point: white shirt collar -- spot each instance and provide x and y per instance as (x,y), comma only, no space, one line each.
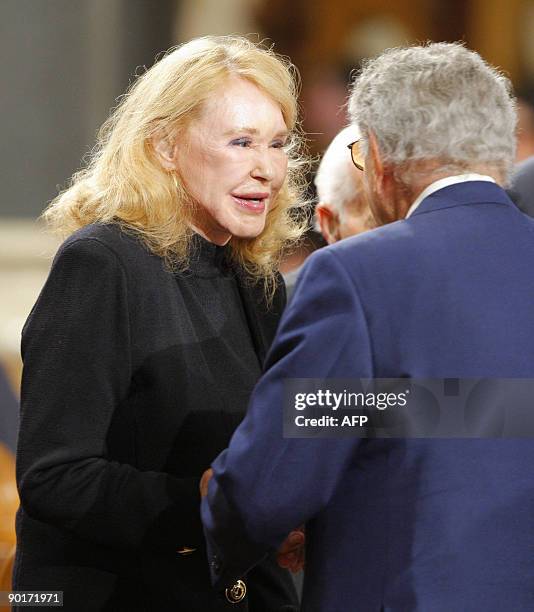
(445,182)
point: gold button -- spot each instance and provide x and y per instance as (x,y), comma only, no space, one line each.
(236,593)
(185,550)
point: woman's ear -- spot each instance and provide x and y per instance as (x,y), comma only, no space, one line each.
(164,146)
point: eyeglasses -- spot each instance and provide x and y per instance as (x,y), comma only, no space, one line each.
(356,155)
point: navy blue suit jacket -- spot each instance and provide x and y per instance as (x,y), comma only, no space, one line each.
(435,525)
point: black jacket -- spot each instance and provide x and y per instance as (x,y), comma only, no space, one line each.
(120,417)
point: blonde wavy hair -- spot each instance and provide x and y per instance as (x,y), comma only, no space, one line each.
(123,181)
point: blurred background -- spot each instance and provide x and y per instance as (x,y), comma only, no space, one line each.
(66,62)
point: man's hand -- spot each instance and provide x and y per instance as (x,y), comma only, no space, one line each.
(204,482)
(291,553)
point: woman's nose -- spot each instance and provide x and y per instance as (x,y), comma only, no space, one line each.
(263,166)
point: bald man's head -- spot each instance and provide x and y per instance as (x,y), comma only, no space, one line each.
(342,209)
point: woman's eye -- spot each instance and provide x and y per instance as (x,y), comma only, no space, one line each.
(241,142)
(278,144)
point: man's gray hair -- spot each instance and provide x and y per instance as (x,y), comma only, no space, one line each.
(439,101)
(335,179)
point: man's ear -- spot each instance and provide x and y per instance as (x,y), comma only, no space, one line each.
(328,219)
(385,186)
(376,159)
(164,146)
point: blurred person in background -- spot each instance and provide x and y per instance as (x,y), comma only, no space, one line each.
(342,209)
(9,501)
(9,413)
(151,330)
(522,186)
(525,128)
(444,290)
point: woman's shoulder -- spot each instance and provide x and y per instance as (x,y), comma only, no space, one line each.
(112,240)
(109,235)
(107,249)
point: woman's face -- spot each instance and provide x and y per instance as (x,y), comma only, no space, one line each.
(232,161)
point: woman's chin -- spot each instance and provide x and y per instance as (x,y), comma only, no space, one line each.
(248,235)
(247,231)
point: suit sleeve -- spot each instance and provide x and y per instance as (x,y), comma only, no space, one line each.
(77,371)
(265,485)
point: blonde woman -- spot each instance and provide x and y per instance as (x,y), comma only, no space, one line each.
(151,330)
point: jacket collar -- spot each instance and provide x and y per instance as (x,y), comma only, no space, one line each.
(463,194)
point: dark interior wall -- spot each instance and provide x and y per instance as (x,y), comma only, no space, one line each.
(64,63)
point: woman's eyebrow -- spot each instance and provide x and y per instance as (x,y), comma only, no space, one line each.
(243,128)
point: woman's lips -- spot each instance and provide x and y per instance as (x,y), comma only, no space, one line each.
(254,202)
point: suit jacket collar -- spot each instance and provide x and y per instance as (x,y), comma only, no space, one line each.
(463,194)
